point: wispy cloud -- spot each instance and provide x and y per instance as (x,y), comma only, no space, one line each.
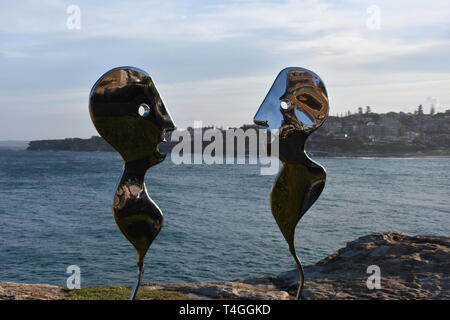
(215,60)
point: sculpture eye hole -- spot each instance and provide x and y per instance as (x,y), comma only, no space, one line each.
(284,105)
(144,110)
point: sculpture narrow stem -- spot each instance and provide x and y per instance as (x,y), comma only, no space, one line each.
(138,282)
(301,274)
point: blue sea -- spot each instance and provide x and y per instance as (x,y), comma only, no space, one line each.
(55,211)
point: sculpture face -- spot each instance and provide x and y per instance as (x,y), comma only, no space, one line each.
(129,114)
(296,106)
(115,102)
(297,103)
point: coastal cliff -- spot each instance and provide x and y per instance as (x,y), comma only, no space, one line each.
(71,144)
(334,147)
(411,267)
(357,135)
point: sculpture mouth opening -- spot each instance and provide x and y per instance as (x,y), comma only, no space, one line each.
(164,141)
(263,123)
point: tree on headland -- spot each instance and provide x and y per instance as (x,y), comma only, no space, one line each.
(420,110)
(432,110)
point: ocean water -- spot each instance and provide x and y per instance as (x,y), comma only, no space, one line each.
(55,211)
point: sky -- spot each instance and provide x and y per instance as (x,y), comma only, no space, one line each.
(214,61)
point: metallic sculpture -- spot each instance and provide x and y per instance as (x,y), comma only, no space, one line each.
(129,114)
(296,105)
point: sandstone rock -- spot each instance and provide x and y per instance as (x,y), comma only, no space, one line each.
(250,289)
(412,267)
(20,291)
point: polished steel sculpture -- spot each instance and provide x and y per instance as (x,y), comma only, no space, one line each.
(296,106)
(129,114)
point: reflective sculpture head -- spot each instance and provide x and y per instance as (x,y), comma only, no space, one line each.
(296,105)
(129,114)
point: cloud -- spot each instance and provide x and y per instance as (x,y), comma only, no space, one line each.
(215,60)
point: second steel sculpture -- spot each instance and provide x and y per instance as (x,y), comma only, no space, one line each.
(296,106)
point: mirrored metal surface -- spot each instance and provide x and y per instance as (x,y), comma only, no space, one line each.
(128,113)
(296,105)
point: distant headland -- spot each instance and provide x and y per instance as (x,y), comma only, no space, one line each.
(354,135)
